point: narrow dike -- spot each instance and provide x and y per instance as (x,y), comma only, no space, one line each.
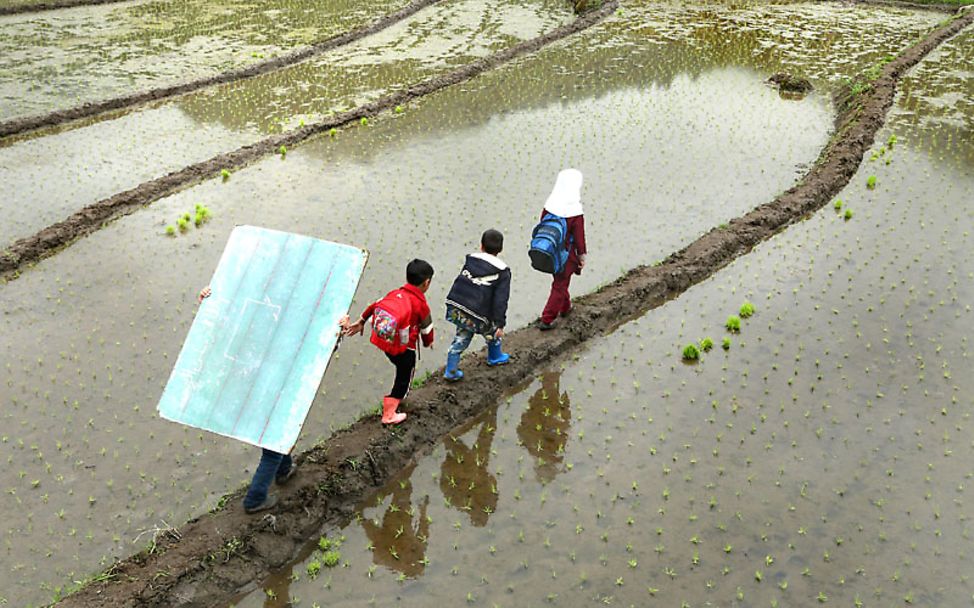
(19,126)
(38,7)
(215,555)
(28,250)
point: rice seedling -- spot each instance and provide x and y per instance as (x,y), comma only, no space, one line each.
(871,182)
(706,344)
(746,310)
(691,352)
(733,324)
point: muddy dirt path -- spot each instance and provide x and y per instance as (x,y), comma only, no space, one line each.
(37,7)
(225,551)
(48,241)
(19,126)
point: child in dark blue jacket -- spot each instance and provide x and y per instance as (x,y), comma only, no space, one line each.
(477,303)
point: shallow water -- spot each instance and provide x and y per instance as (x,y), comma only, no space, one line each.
(54,60)
(89,336)
(824,458)
(137,146)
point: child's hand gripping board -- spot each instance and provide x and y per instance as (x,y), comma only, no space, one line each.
(260,344)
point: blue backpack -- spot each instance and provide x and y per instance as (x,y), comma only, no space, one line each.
(548,253)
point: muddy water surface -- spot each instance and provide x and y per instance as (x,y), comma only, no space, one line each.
(823,458)
(59,59)
(59,173)
(89,336)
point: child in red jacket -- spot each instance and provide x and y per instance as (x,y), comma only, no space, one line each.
(565,200)
(404,310)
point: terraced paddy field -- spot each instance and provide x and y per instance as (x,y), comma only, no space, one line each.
(666,111)
(823,457)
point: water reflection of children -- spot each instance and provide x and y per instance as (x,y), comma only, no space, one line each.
(397,543)
(465,479)
(544,426)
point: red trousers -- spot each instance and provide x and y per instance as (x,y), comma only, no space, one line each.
(559,301)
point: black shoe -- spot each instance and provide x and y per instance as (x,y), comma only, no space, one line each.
(283,479)
(545,326)
(268,503)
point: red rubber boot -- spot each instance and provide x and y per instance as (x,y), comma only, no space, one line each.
(389,413)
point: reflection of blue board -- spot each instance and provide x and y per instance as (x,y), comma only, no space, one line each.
(256,352)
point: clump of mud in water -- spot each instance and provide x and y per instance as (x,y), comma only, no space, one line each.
(790,86)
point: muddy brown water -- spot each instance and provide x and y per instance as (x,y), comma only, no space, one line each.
(150,142)
(113,361)
(825,457)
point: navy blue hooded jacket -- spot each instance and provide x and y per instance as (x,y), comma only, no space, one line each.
(482,288)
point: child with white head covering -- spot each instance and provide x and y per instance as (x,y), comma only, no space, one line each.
(565,201)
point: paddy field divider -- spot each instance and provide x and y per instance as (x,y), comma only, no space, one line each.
(20,126)
(214,556)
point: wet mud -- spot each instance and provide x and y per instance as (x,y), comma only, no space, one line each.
(228,551)
(36,7)
(19,126)
(48,241)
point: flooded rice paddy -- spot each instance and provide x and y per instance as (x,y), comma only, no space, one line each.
(138,146)
(825,457)
(644,45)
(54,60)
(665,110)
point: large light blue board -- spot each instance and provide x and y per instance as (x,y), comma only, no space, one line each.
(260,344)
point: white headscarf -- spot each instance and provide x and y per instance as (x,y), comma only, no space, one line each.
(566,197)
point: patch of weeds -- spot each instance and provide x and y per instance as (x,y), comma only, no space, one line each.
(331,558)
(421,380)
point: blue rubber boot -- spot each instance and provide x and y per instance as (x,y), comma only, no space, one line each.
(495,356)
(452,362)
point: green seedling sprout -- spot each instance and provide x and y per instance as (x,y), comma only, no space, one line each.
(399,110)
(183,224)
(837,204)
(331,558)
(848,214)
(733,323)
(706,344)
(225,174)
(282,150)
(691,353)
(364,121)
(726,344)
(747,309)
(170,230)
(871,182)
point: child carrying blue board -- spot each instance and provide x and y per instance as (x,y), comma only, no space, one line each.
(477,303)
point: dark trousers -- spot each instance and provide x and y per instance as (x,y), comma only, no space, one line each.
(272,465)
(405,366)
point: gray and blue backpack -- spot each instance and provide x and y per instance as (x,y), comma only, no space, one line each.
(548,252)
